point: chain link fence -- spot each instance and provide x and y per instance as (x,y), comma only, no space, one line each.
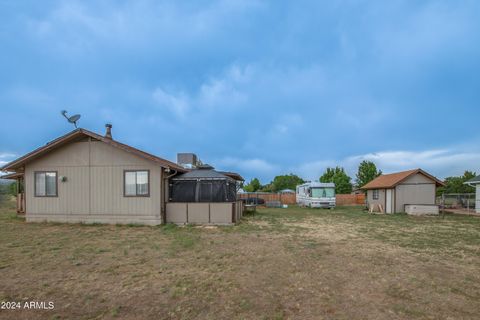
(464,202)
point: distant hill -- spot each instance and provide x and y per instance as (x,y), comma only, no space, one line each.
(5,181)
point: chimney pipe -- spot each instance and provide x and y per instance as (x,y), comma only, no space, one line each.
(108,134)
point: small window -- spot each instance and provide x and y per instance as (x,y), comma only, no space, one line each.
(45,184)
(136,183)
(375,194)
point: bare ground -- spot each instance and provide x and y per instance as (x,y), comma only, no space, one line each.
(281,264)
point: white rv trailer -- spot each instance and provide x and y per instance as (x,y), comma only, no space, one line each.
(316,195)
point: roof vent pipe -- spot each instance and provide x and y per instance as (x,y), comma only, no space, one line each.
(108,133)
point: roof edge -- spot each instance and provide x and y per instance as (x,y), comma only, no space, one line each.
(10,166)
(58,142)
(473,181)
(12,176)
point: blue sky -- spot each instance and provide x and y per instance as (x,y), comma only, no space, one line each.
(261,88)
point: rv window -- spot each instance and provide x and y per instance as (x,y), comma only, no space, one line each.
(375,194)
(323,192)
(45,184)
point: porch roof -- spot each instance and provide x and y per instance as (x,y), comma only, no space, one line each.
(12,176)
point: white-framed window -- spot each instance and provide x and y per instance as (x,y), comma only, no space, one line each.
(46,184)
(375,194)
(136,183)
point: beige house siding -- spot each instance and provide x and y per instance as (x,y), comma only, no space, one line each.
(417,189)
(380,201)
(93,191)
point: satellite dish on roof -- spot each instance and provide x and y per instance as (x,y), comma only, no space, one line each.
(73,119)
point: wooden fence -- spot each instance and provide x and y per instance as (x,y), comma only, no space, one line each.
(289,198)
(350,199)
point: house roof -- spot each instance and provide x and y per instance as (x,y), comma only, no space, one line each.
(475,180)
(386,181)
(75,135)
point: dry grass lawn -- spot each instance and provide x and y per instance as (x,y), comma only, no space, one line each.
(280,264)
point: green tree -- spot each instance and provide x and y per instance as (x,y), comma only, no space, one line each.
(456,184)
(267,188)
(367,171)
(253,186)
(337,175)
(288,181)
(12,189)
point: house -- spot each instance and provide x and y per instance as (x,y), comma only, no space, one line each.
(86,177)
(475,182)
(398,192)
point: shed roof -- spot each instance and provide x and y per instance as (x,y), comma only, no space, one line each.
(475,180)
(386,181)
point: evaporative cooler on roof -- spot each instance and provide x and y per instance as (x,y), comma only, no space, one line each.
(202,185)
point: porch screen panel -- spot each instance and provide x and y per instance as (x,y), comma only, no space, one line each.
(205,191)
(218,191)
(183,191)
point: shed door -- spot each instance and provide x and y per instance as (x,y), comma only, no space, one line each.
(389,203)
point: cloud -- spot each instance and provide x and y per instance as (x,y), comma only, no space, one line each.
(286,123)
(177,103)
(276,88)
(27,95)
(313,170)
(74,28)
(252,166)
(429,32)
(442,162)
(218,93)
(6,157)
(225,90)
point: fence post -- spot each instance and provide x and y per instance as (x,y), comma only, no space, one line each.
(443,205)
